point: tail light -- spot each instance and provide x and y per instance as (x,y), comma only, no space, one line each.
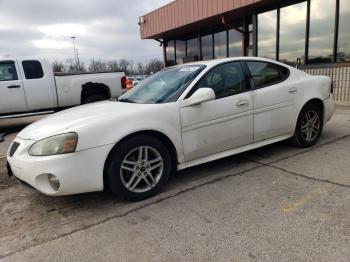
(129,84)
(123,81)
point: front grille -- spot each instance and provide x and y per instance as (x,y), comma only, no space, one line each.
(13,149)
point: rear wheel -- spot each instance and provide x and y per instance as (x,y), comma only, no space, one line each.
(309,126)
(138,168)
(95,98)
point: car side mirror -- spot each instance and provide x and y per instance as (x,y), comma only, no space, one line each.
(202,95)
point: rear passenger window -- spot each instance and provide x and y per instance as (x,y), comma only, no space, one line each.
(266,74)
(8,71)
(32,69)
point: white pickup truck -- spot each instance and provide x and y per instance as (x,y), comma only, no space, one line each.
(28,87)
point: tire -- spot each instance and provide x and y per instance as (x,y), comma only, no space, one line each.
(308,134)
(131,179)
(94,98)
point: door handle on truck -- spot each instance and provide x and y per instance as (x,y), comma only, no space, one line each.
(14,86)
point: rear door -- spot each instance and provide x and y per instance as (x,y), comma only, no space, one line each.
(12,96)
(38,84)
(275,98)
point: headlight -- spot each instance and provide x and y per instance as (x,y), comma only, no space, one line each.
(55,145)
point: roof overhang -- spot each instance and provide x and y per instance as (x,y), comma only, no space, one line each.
(183,17)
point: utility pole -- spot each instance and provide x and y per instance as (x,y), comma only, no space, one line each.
(76,57)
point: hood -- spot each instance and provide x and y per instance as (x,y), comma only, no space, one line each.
(71,120)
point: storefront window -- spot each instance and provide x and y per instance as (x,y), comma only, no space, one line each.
(220,45)
(193,47)
(250,44)
(267,30)
(180,51)
(322,23)
(207,47)
(292,33)
(234,43)
(344,32)
(170,53)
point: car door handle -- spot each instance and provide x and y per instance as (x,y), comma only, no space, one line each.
(242,103)
(14,86)
(293,90)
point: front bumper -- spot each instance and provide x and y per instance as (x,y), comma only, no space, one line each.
(77,172)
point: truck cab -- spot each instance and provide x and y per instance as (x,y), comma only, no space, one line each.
(26,85)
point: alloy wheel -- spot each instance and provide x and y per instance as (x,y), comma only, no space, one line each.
(141,169)
(310,126)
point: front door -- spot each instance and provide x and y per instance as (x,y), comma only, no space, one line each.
(12,96)
(221,124)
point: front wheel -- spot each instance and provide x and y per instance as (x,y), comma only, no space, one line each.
(138,168)
(309,126)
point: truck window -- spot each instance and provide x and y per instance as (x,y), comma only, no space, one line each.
(32,69)
(8,71)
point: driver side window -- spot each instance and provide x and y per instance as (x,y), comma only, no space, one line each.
(226,80)
(8,71)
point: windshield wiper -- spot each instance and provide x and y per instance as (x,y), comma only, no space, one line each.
(126,100)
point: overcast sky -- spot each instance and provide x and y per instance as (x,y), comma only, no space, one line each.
(105,29)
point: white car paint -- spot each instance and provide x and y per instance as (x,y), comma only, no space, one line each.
(51,91)
(199,133)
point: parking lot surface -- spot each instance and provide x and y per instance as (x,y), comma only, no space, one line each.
(276,203)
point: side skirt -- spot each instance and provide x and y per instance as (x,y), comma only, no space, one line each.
(231,152)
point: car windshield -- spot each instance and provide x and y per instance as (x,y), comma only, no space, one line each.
(163,87)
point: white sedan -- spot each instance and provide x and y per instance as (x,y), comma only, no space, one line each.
(180,117)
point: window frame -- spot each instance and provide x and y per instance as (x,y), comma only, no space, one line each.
(211,36)
(167,54)
(177,55)
(335,34)
(24,71)
(215,41)
(306,27)
(277,33)
(251,79)
(244,71)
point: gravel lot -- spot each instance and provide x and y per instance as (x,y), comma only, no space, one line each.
(276,203)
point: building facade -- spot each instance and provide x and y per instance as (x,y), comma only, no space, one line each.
(311,34)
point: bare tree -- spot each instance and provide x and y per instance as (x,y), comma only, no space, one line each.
(58,67)
(154,66)
(97,66)
(113,66)
(140,68)
(125,65)
(71,66)
(81,67)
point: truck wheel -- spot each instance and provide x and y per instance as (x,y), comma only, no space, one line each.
(138,168)
(309,126)
(94,98)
